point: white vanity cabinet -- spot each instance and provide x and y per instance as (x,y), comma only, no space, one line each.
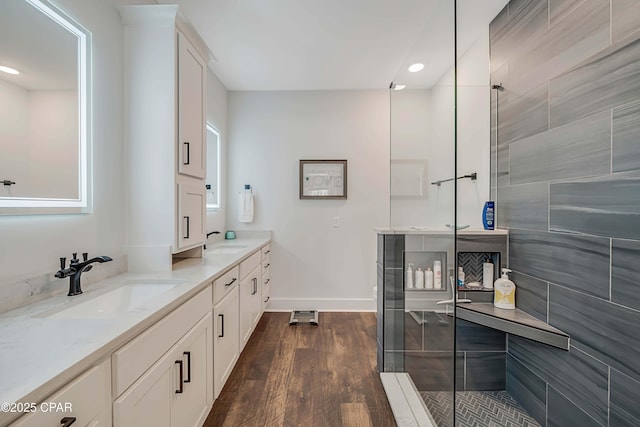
(164,376)
(86,401)
(165,80)
(226,332)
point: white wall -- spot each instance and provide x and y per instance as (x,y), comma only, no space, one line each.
(433,138)
(217,116)
(314,265)
(39,129)
(31,245)
(14,124)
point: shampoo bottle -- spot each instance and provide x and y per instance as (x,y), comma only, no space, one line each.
(460,277)
(504,292)
(488,217)
(437,275)
(409,277)
(428,279)
(419,278)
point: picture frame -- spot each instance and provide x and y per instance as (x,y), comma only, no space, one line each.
(323,179)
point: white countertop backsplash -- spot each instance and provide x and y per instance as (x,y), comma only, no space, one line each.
(40,354)
(16,293)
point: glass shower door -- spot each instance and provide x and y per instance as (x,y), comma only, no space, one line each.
(422,215)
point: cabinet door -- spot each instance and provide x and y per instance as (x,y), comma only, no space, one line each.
(148,401)
(249,297)
(256,302)
(191,215)
(87,399)
(177,390)
(192,73)
(226,335)
(190,407)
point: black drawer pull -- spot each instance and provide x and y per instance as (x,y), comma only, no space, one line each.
(255,286)
(181,389)
(67,421)
(231,282)
(221,316)
(187,157)
(187,236)
(188,354)
(267,252)
(267,282)
(267,265)
(267,300)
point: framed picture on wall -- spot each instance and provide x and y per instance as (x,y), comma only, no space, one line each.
(323,179)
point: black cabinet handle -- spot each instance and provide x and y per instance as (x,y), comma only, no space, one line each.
(9,182)
(187,157)
(255,286)
(267,300)
(67,421)
(188,354)
(267,265)
(181,389)
(187,236)
(268,280)
(221,316)
(231,282)
(267,252)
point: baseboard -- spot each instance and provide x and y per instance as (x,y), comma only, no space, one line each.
(322,304)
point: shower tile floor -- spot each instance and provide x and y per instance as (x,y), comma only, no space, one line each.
(477,409)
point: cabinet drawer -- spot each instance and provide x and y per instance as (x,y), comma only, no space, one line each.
(135,357)
(266,288)
(249,264)
(225,283)
(266,250)
(87,398)
(266,278)
(266,263)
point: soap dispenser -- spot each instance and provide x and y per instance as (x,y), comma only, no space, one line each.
(504,292)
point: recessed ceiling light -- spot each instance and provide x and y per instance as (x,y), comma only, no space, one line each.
(9,70)
(416,67)
(399,87)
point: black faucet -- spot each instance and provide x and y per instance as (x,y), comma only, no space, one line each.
(75,270)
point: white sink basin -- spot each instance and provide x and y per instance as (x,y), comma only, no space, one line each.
(227,249)
(132,294)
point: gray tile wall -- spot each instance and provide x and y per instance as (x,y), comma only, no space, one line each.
(566,178)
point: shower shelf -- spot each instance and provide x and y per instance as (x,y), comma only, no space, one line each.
(515,322)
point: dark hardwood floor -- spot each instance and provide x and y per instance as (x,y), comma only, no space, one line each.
(306,375)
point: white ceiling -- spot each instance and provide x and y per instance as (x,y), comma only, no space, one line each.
(331,44)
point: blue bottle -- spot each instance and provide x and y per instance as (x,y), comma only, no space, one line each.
(488,215)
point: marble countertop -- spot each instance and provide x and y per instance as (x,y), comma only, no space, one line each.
(438,230)
(40,354)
